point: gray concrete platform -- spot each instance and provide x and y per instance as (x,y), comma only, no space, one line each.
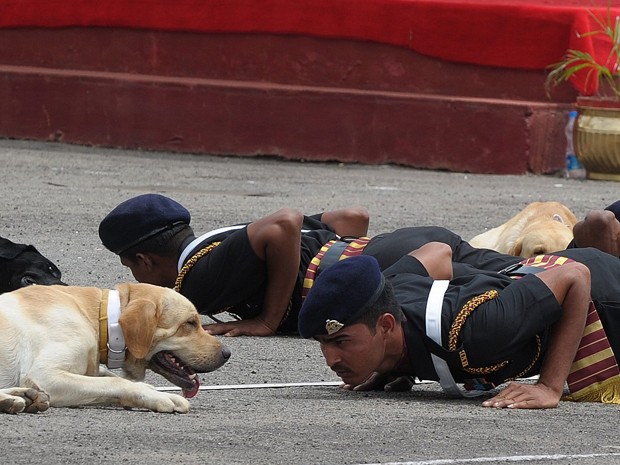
(54,195)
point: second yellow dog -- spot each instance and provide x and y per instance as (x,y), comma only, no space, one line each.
(541,227)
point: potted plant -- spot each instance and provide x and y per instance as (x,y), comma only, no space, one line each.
(594,69)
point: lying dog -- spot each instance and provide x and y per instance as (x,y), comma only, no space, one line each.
(53,339)
(541,227)
(22,265)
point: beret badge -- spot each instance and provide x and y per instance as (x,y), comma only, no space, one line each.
(332,326)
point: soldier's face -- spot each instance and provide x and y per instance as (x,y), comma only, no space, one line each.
(354,352)
(145,269)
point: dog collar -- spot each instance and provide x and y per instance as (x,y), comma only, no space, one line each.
(116,341)
(111,341)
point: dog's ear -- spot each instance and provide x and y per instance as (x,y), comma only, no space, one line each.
(557,217)
(9,250)
(138,321)
(516,248)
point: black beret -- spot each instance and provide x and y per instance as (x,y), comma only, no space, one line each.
(340,295)
(139,218)
(615,209)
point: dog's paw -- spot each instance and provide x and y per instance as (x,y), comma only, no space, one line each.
(11,404)
(29,400)
(164,402)
(146,396)
(171,403)
(37,400)
(181,404)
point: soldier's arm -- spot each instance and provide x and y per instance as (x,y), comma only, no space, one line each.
(276,239)
(570,283)
(436,257)
(347,221)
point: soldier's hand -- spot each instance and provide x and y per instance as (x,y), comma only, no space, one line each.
(517,395)
(383,382)
(251,327)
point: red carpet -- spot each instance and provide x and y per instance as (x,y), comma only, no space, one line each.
(527,34)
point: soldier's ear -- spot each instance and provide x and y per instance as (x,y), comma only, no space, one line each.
(144,260)
(387,323)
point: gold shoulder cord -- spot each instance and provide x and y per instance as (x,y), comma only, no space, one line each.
(191,262)
(457,325)
(467,310)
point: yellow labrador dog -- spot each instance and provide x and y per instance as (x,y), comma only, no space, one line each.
(541,227)
(54,338)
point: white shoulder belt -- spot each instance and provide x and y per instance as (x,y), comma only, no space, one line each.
(192,245)
(433,331)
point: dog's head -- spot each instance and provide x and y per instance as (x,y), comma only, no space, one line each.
(22,265)
(542,237)
(163,332)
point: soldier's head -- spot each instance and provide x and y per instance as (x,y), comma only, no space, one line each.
(146,232)
(351,310)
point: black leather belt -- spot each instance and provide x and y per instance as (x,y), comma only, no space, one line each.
(332,255)
(519,269)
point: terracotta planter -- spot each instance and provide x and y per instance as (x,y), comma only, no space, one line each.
(597,137)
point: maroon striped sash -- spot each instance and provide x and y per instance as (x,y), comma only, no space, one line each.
(355,247)
(546,261)
(594,374)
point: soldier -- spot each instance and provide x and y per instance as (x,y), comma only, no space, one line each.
(433,319)
(252,270)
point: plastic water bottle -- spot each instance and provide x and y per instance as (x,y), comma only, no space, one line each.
(574,169)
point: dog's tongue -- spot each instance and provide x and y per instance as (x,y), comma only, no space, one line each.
(189,393)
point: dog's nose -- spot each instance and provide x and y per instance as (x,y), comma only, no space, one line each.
(225,353)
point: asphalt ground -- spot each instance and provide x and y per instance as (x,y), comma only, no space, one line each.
(53,196)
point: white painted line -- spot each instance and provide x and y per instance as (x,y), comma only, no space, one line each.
(513,458)
(383,188)
(265,385)
(254,386)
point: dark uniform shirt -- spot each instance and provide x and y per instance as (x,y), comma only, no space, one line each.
(502,338)
(233,278)
(388,248)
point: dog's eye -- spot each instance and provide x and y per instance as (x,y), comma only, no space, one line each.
(192,323)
